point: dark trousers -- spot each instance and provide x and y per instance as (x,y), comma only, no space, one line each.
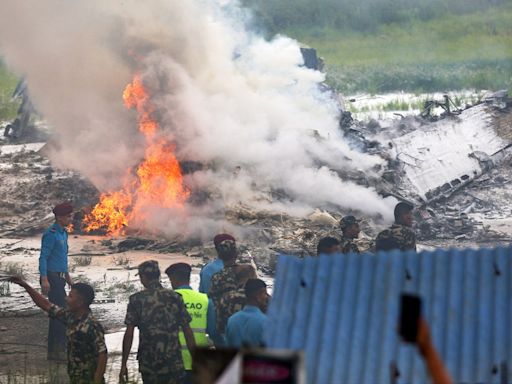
(187,379)
(148,378)
(56,329)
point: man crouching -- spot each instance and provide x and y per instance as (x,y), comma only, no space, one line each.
(87,352)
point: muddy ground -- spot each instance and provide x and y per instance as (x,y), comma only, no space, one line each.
(478,215)
(93,259)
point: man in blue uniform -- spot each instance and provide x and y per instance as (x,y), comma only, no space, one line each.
(245,328)
(214,266)
(53,270)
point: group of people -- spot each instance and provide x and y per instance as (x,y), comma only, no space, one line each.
(228,311)
(399,236)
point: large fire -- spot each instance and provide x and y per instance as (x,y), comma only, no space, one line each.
(156,183)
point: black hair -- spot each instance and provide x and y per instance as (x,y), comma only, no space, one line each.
(402,208)
(151,275)
(180,271)
(85,291)
(325,243)
(253,287)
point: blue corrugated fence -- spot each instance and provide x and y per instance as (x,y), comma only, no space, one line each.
(343,312)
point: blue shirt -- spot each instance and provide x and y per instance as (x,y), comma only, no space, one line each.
(211,317)
(245,328)
(54,250)
(207,272)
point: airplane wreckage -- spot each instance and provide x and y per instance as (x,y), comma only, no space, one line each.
(454,167)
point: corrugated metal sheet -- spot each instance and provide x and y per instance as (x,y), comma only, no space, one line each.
(343,312)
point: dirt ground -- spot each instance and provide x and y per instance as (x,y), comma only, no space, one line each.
(93,259)
(23,328)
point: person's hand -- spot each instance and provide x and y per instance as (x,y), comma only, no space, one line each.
(123,375)
(423,337)
(69,280)
(18,280)
(45,285)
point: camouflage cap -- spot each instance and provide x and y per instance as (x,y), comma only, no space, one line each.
(347,221)
(150,266)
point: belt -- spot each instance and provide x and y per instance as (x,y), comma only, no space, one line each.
(59,274)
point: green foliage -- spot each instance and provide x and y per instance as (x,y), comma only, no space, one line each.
(356,15)
(409,45)
(8,83)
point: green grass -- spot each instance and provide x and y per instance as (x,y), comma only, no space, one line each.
(8,83)
(454,52)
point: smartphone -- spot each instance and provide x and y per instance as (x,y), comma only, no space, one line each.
(410,312)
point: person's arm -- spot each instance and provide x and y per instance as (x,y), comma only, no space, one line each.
(211,321)
(202,282)
(127,346)
(435,365)
(189,336)
(38,299)
(101,349)
(185,320)
(101,368)
(47,244)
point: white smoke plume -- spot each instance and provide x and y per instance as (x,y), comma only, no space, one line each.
(243,106)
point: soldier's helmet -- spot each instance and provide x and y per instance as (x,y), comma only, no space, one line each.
(149,267)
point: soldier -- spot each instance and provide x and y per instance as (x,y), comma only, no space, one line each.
(87,352)
(53,270)
(199,307)
(350,231)
(234,300)
(159,314)
(224,281)
(214,266)
(400,235)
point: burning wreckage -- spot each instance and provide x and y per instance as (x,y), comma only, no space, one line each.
(454,167)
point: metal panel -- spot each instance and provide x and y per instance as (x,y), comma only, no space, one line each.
(343,312)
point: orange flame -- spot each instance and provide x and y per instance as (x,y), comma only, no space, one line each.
(157,182)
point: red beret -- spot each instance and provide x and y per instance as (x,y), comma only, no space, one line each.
(63,209)
(223,237)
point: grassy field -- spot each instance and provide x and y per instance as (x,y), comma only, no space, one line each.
(7,85)
(447,53)
(472,51)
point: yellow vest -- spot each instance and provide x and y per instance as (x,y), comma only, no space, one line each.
(197,307)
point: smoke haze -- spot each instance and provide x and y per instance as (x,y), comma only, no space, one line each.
(226,98)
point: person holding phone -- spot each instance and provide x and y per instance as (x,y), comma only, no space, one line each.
(414,329)
(435,366)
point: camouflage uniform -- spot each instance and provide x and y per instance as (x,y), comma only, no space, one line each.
(231,303)
(348,246)
(401,236)
(86,340)
(159,314)
(223,282)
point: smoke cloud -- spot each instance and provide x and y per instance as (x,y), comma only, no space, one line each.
(243,107)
